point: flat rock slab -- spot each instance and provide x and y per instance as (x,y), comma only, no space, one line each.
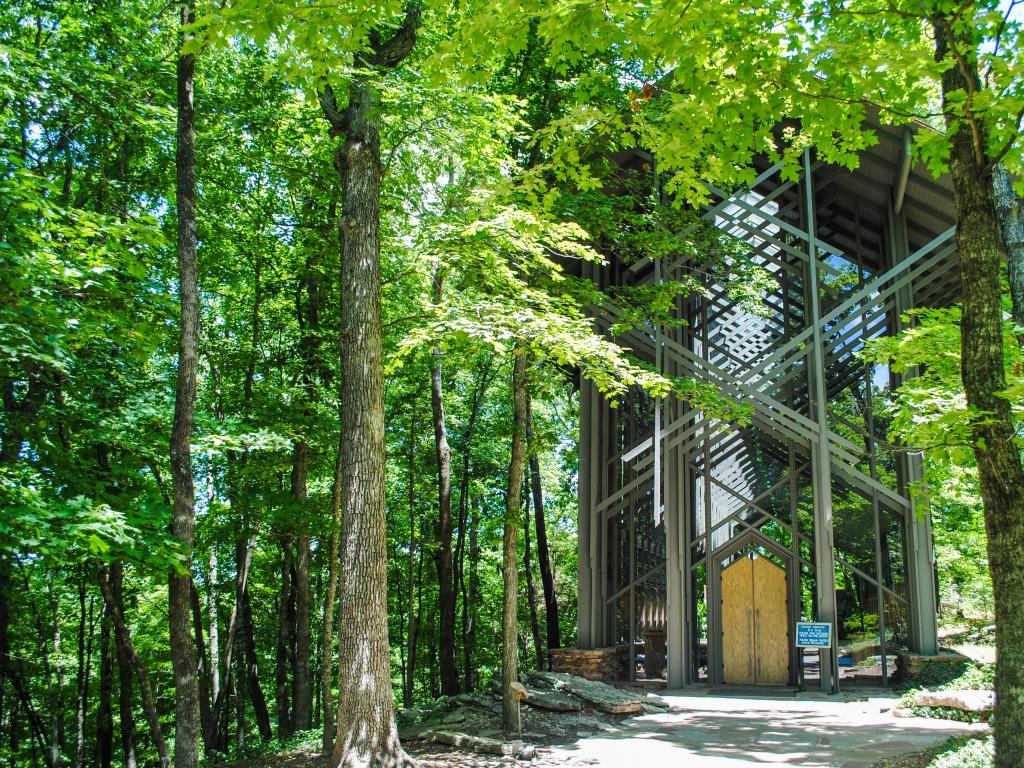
(552,701)
(601,696)
(967,701)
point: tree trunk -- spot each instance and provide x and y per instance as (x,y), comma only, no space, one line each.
(443,553)
(241,695)
(219,717)
(104,711)
(126,716)
(124,642)
(302,681)
(259,701)
(510,560)
(327,643)
(531,592)
(211,610)
(410,664)
(366,732)
(5,640)
(460,547)
(474,595)
(980,248)
(1011,225)
(547,578)
(206,719)
(85,638)
(284,717)
(55,685)
(183,657)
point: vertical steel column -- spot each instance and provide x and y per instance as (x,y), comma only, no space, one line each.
(824,563)
(584,594)
(924,629)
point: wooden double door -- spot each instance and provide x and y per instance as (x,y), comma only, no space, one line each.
(755,622)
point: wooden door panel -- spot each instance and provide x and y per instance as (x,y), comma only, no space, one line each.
(738,622)
(771,623)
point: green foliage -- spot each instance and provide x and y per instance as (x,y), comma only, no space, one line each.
(966,752)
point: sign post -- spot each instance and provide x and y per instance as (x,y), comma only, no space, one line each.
(812,634)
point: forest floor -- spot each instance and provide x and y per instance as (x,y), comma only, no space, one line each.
(692,727)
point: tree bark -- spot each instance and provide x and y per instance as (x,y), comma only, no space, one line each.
(510,560)
(410,665)
(206,719)
(1011,224)
(327,643)
(259,701)
(531,592)
(443,553)
(366,731)
(460,546)
(283,649)
(473,598)
(124,642)
(211,610)
(302,682)
(126,715)
(85,638)
(183,657)
(980,248)
(5,640)
(551,619)
(104,711)
(55,686)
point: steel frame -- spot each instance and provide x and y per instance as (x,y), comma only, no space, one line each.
(667,491)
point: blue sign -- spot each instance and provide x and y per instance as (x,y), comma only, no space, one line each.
(813,634)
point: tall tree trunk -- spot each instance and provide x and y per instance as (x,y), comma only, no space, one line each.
(366,732)
(259,701)
(126,714)
(531,592)
(85,638)
(244,552)
(327,640)
(443,553)
(460,546)
(410,664)
(211,611)
(206,719)
(1011,224)
(104,711)
(183,657)
(124,642)
(302,682)
(5,640)
(473,599)
(241,694)
(980,248)
(55,686)
(510,560)
(283,649)
(547,578)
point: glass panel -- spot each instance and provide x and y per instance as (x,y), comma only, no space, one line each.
(859,644)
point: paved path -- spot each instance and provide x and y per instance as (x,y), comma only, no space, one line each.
(704,731)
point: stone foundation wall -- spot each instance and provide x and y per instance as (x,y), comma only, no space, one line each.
(911,665)
(595,664)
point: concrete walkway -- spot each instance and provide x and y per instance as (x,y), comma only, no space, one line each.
(709,731)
